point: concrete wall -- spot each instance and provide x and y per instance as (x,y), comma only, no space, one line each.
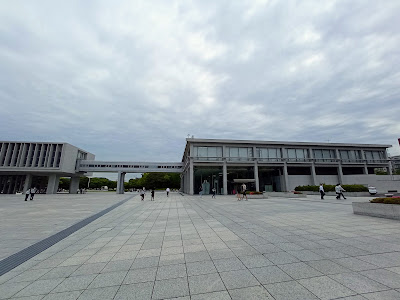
(327,179)
(296,180)
(383,183)
(68,160)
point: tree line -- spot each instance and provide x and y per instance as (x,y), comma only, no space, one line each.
(148,180)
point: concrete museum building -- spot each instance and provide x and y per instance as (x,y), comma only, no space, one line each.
(211,163)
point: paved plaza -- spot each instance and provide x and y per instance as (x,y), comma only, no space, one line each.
(191,248)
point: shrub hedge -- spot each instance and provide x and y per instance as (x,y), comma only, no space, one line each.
(386,200)
(331,188)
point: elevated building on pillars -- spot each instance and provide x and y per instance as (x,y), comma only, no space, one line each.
(21,161)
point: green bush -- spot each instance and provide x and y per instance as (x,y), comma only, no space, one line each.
(331,188)
(386,200)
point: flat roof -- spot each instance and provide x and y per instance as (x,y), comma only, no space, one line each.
(258,142)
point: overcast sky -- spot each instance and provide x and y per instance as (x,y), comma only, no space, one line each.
(129,80)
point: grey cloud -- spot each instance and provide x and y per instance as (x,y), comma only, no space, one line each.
(129,81)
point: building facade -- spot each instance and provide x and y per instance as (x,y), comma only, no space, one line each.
(210,163)
(395,163)
(277,166)
(20,162)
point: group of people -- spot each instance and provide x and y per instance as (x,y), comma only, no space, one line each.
(30,192)
(242,192)
(142,193)
(338,189)
(214,192)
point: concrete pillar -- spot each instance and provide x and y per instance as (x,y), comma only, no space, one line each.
(286,176)
(52,184)
(314,174)
(389,167)
(182,184)
(120,183)
(225,178)
(340,173)
(74,185)
(365,162)
(256,176)
(365,169)
(27,183)
(191,177)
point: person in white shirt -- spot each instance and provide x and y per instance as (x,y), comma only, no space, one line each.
(32,192)
(339,191)
(321,191)
(244,187)
(167,190)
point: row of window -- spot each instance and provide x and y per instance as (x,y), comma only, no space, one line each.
(294,154)
(127,166)
(30,155)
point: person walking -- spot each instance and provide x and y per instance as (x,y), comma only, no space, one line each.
(32,192)
(339,191)
(152,195)
(142,193)
(213,192)
(167,190)
(321,191)
(238,195)
(201,191)
(28,191)
(244,187)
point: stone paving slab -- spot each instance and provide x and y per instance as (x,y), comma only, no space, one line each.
(44,216)
(184,247)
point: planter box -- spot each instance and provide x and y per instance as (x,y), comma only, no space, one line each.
(346,194)
(380,210)
(285,195)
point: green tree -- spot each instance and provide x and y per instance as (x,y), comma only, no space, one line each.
(97,182)
(83,182)
(64,183)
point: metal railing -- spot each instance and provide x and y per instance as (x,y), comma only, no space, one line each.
(299,160)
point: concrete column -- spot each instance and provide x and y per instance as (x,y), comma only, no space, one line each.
(52,184)
(182,183)
(40,162)
(11,184)
(191,177)
(120,182)
(365,162)
(27,183)
(256,176)
(286,176)
(389,167)
(225,177)
(8,154)
(74,185)
(340,173)
(365,169)
(314,174)
(3,153)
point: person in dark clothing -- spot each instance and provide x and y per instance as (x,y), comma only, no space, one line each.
(213,192)
(321,191)
(152,195)
(27,194)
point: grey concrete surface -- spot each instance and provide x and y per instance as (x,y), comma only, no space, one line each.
(185,247)
(25,223)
